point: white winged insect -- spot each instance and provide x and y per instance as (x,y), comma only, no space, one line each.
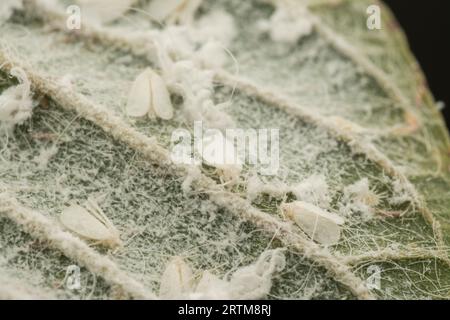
(322,226)
(177,280)
(91,223)
(149,96)
(220,152)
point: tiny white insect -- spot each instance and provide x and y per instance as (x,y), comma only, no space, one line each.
(90,222)
(149,95)
(177,280)
(220,152)
(322,226)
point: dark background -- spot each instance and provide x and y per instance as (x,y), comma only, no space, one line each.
(427,25)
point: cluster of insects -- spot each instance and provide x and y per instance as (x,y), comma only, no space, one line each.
(247,282)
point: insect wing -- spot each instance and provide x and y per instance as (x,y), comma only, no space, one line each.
(320,225)
(139,99)
(94,209)
(80,221)
(161,103)
(176,280)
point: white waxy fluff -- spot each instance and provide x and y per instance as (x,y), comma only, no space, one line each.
(217,25)
(285,26)
(149,96)
(229,173)
(211,55)
(255,187)
(255,281)
(186,76)
(322,226)
(16,103)
(249,282)
(359,199)
(44,156)
(91,223)
(193,174)
(401,194)
(176,281)
(104,11)
(313,189)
